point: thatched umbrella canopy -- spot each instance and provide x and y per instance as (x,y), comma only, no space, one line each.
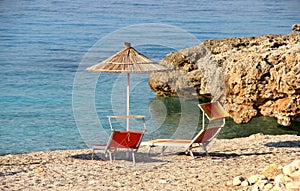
(128,61)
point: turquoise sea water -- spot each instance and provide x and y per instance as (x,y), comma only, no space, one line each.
(44,46)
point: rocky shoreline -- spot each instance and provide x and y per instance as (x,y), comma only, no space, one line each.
(251,76)
(229,159)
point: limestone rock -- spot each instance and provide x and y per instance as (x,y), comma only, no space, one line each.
(296,27)
(186,79)
(253,76)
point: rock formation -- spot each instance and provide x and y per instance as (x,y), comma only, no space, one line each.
(251,76)
(273,177)
(296,27)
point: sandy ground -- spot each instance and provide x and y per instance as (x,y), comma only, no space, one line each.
(74,169)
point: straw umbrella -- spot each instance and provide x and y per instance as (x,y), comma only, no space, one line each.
(127,61)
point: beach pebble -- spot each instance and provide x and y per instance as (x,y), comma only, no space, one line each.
(92,182)
(293,186)
(268,186)
(237,180)
(229,183)
(279,179)
(257,136)
(271,171)
(245,183)
(163,181)
(296,163)
(287,179)
(278,187)
(296,175)
(254,178)
(200,163)
(256,188)
(289,169)
(39,170)
(259,185)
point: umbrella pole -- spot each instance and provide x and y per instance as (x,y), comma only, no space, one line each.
(128,101)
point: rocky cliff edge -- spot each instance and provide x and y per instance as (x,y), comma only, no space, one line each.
(251,76)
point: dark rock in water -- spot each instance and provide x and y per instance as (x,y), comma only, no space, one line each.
(253,76)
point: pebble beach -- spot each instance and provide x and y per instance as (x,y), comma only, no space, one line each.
(74,169)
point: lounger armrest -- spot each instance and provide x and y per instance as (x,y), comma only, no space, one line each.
(142,117)
(213,110)
(126,116)
(99,146)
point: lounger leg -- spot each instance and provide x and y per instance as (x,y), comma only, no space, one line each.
(127,154)
(133,158)
(204,148)
(93,154)
(115,153)
(191,153)
(110,157)
(163,150)
(149,150)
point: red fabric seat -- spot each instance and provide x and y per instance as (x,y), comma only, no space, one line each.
(128,141)
(214,112)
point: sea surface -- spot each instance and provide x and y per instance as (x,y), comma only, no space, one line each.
(47,99)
